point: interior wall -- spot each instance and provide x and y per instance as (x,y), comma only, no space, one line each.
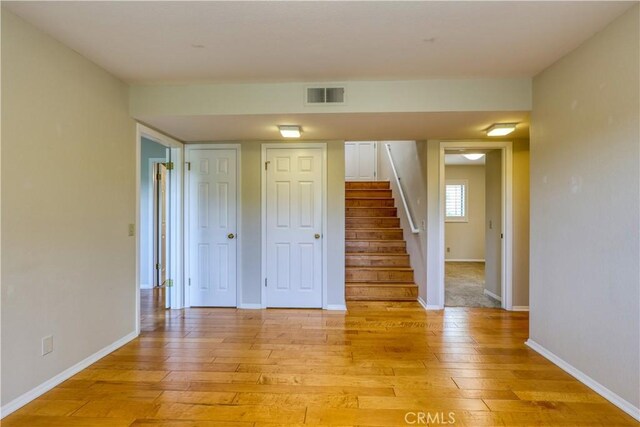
(493,223)
(585,205)
(520,242)
(251,219)
(406,158)
(465,240)
(68,196)
(149,150)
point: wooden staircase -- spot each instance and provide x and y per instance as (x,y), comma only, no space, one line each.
(377,263)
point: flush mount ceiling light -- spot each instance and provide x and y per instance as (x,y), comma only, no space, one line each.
(501,129)
(290,131)
(474,156)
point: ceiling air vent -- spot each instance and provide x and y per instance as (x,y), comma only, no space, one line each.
(325,95)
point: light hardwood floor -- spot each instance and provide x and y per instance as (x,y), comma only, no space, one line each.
(370,366)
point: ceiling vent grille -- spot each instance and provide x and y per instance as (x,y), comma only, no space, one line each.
(330,95)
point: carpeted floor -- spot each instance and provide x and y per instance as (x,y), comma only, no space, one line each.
(464,285)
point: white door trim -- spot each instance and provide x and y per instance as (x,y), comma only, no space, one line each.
(149,219)
(176,237)
(265,147)
(507,214)
(239,235)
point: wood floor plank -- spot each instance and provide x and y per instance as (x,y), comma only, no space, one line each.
(368,366)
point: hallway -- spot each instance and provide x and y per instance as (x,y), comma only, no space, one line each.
(368,366)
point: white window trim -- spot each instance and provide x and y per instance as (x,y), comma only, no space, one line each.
(465,183)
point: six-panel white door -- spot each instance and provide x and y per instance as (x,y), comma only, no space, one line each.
(360,160)
(212,223)
(294,227)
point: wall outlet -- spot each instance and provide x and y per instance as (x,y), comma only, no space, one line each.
(47,345)
(132,230)
(448,249)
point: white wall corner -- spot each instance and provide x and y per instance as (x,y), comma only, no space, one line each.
(497,297)
(38,391)
(426,306)
(586,380)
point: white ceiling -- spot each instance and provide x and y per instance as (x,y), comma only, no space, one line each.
(460,160)
(153,42)
(343,126)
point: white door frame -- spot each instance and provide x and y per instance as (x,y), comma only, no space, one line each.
(150,219)
(187,204)
(176,238)
(507,214)
(323,147)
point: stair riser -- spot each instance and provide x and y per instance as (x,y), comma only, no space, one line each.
(373,235)
(375,247)
(356,275)
(382,293)
(369,203)
(368,193)
(354,223)
(371,212)
(377,261)
(377,185)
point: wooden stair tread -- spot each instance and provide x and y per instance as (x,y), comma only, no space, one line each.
(377,240)
(377,267)
(380,283)
(377,254)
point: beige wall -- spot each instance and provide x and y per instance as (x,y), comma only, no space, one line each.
(585,146)
(251,244)
(407,159)
(493,223)
(465,240)
(68,195)
(520,273)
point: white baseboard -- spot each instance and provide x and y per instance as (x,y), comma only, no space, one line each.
(586,380)
(248,306)
(520,308)
(492,295)
(463,260)
(38,391)
(428,306)
(337,307)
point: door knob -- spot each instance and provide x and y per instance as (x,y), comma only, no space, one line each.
(317,236)
(231,235)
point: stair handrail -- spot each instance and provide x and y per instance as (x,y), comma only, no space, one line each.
(414,229)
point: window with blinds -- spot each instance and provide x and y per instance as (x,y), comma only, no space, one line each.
(456,201)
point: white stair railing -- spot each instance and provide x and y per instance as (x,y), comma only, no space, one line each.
(414,229)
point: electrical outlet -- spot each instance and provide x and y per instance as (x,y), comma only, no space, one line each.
(47,345)
(448,249)
(132,230)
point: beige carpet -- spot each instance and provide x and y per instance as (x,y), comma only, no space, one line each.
(464,285)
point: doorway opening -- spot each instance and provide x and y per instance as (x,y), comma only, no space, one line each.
(159,246)
(473,204)
(475,248)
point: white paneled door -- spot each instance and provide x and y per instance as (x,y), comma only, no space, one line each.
(213,227)
(360,160)
(294,227)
